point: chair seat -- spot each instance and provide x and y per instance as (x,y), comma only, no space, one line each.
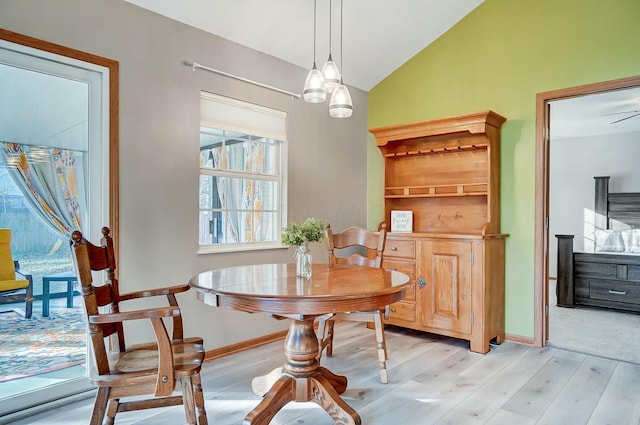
(140,362)
(12,285)
(356,315)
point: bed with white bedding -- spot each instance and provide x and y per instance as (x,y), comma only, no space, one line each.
(609,277)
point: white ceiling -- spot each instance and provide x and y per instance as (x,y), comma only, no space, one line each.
(595,114)
(379,37)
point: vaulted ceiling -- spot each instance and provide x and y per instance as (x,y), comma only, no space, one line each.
(379,35)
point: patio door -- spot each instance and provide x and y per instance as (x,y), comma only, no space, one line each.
(53,101)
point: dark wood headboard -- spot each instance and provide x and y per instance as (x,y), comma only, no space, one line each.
(623,207)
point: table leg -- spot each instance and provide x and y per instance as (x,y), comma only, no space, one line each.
(276,398)
(327,397)
(45,297)
(70,294)
(303,380)
(261,384)
(338,382)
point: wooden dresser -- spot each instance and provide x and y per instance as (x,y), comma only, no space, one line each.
(447,173)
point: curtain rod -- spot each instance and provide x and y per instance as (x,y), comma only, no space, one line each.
(196,65)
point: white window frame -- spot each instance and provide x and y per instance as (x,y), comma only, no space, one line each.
(237,121)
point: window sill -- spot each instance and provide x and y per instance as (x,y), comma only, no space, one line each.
(213,249)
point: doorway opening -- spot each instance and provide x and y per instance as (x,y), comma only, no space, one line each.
(543,238)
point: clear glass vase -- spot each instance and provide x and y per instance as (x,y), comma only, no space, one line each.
(303,262)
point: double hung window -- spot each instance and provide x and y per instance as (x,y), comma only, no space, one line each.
(242,174)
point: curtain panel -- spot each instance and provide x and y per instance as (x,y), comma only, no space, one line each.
(52,182)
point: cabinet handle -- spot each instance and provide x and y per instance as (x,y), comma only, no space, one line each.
(394,249)
(393,309)
(422,282)
(611,291)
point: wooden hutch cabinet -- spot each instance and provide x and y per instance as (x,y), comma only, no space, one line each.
(447,173)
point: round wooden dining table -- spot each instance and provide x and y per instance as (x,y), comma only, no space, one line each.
(274,289)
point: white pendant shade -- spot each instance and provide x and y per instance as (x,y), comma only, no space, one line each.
(340,105)
(318,83)
(331,75)
(314,87)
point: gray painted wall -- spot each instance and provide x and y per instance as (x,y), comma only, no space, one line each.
(573,165)
(159,125)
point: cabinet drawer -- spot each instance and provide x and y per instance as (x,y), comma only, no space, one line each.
(611,290)
(410,293)
(403,249)
(406,267)
(403,311)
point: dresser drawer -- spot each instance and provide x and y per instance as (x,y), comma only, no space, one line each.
(633,273)
(596,270)
(400,248)
(402,311)
(614,290)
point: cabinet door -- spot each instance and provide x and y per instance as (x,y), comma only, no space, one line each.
(445,296)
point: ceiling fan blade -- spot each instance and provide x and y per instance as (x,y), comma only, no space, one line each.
(626,118)
(618,113)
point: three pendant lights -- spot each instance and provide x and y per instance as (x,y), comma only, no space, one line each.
(328,81)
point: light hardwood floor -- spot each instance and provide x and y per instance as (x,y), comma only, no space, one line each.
(433,380)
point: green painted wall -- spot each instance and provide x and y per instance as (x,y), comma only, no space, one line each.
(499,57)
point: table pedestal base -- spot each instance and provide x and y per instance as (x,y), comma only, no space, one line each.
(303,379)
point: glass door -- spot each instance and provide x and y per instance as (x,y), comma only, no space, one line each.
(49,104)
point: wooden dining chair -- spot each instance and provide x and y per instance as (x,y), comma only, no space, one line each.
(15,284)
(361,247)
(154,370)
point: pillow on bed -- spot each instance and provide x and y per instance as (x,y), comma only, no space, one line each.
(627,239)
(633,245)
(608,241)
(631,240)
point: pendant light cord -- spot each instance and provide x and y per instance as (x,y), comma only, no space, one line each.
(314,32)
(341,37)
(330,19)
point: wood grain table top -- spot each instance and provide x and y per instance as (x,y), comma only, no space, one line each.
(275,289)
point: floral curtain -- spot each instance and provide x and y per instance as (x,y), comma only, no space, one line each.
(52,181)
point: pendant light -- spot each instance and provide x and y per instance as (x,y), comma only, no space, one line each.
(314,86)
(330,70)
(340,105)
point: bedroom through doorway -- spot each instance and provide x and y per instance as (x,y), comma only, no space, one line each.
(578,140)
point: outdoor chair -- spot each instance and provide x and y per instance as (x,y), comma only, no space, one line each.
(361,247)
(154,370)
(12,289)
